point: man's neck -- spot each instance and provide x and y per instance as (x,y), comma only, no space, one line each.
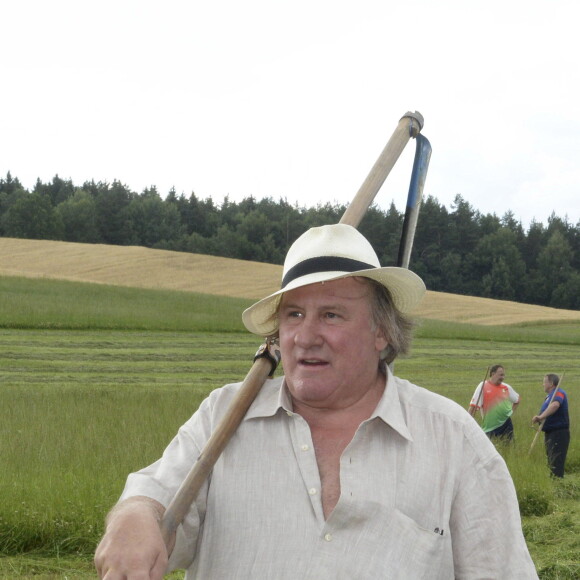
(336,415)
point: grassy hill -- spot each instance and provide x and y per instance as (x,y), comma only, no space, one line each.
(164,270)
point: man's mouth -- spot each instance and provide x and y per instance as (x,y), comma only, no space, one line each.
(310,362)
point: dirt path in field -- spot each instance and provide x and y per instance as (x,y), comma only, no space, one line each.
(146,268)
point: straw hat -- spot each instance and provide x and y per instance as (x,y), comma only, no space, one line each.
(330,253)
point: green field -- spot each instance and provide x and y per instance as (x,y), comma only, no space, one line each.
(95,380)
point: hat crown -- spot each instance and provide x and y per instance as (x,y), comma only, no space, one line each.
(337,241)
(328,253)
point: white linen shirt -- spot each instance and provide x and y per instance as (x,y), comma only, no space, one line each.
(424,494)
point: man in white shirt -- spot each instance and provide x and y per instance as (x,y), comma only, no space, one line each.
(339,469)
(497,403)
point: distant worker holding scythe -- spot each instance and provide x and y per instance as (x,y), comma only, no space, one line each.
(339,470)
(554,421)
(497,401)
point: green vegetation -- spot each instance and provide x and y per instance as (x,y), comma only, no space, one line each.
(61,304)
(86,399)
(540,332)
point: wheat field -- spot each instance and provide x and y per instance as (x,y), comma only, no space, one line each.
(147,268)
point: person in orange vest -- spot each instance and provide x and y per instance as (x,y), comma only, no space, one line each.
(497,404)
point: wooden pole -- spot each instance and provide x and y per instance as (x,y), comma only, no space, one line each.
(186,494)
(409,126)
(480,396)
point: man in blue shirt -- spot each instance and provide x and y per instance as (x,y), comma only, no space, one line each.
(556,424)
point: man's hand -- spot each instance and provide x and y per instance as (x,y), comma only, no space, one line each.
(132,547)
(552,408)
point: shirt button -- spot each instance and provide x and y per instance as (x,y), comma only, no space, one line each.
(289,413)
(328,537)
(305,447)
(312,491)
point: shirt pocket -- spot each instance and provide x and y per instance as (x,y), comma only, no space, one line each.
(415,552)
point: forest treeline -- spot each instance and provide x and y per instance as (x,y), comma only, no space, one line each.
(459,250)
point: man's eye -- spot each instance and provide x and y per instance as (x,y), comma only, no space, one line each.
(331,315)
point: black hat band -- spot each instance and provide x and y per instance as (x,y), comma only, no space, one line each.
(324,264)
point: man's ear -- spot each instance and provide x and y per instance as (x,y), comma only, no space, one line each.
(381,341)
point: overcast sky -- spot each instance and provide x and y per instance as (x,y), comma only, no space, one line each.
(296,99)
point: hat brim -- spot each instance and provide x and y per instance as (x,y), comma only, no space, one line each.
(406,288)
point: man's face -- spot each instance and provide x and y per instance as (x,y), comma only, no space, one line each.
(498,377)
(329,349)
(547,385)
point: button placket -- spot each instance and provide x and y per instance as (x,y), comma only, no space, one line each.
(304,453)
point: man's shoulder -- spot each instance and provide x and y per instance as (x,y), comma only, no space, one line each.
(219,399)
(421,398)
(424,408)
(510,389)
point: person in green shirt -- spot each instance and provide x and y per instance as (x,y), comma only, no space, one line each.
(497,404)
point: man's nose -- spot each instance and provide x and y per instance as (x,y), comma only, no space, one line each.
(308,333)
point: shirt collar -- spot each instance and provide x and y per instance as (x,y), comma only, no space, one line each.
(390,409)
(270,398)
(274,396)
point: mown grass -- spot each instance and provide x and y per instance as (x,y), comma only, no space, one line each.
(83,406)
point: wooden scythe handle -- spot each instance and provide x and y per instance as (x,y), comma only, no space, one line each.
(409,126)
(265,363)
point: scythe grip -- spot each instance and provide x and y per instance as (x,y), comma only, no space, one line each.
(270,350)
